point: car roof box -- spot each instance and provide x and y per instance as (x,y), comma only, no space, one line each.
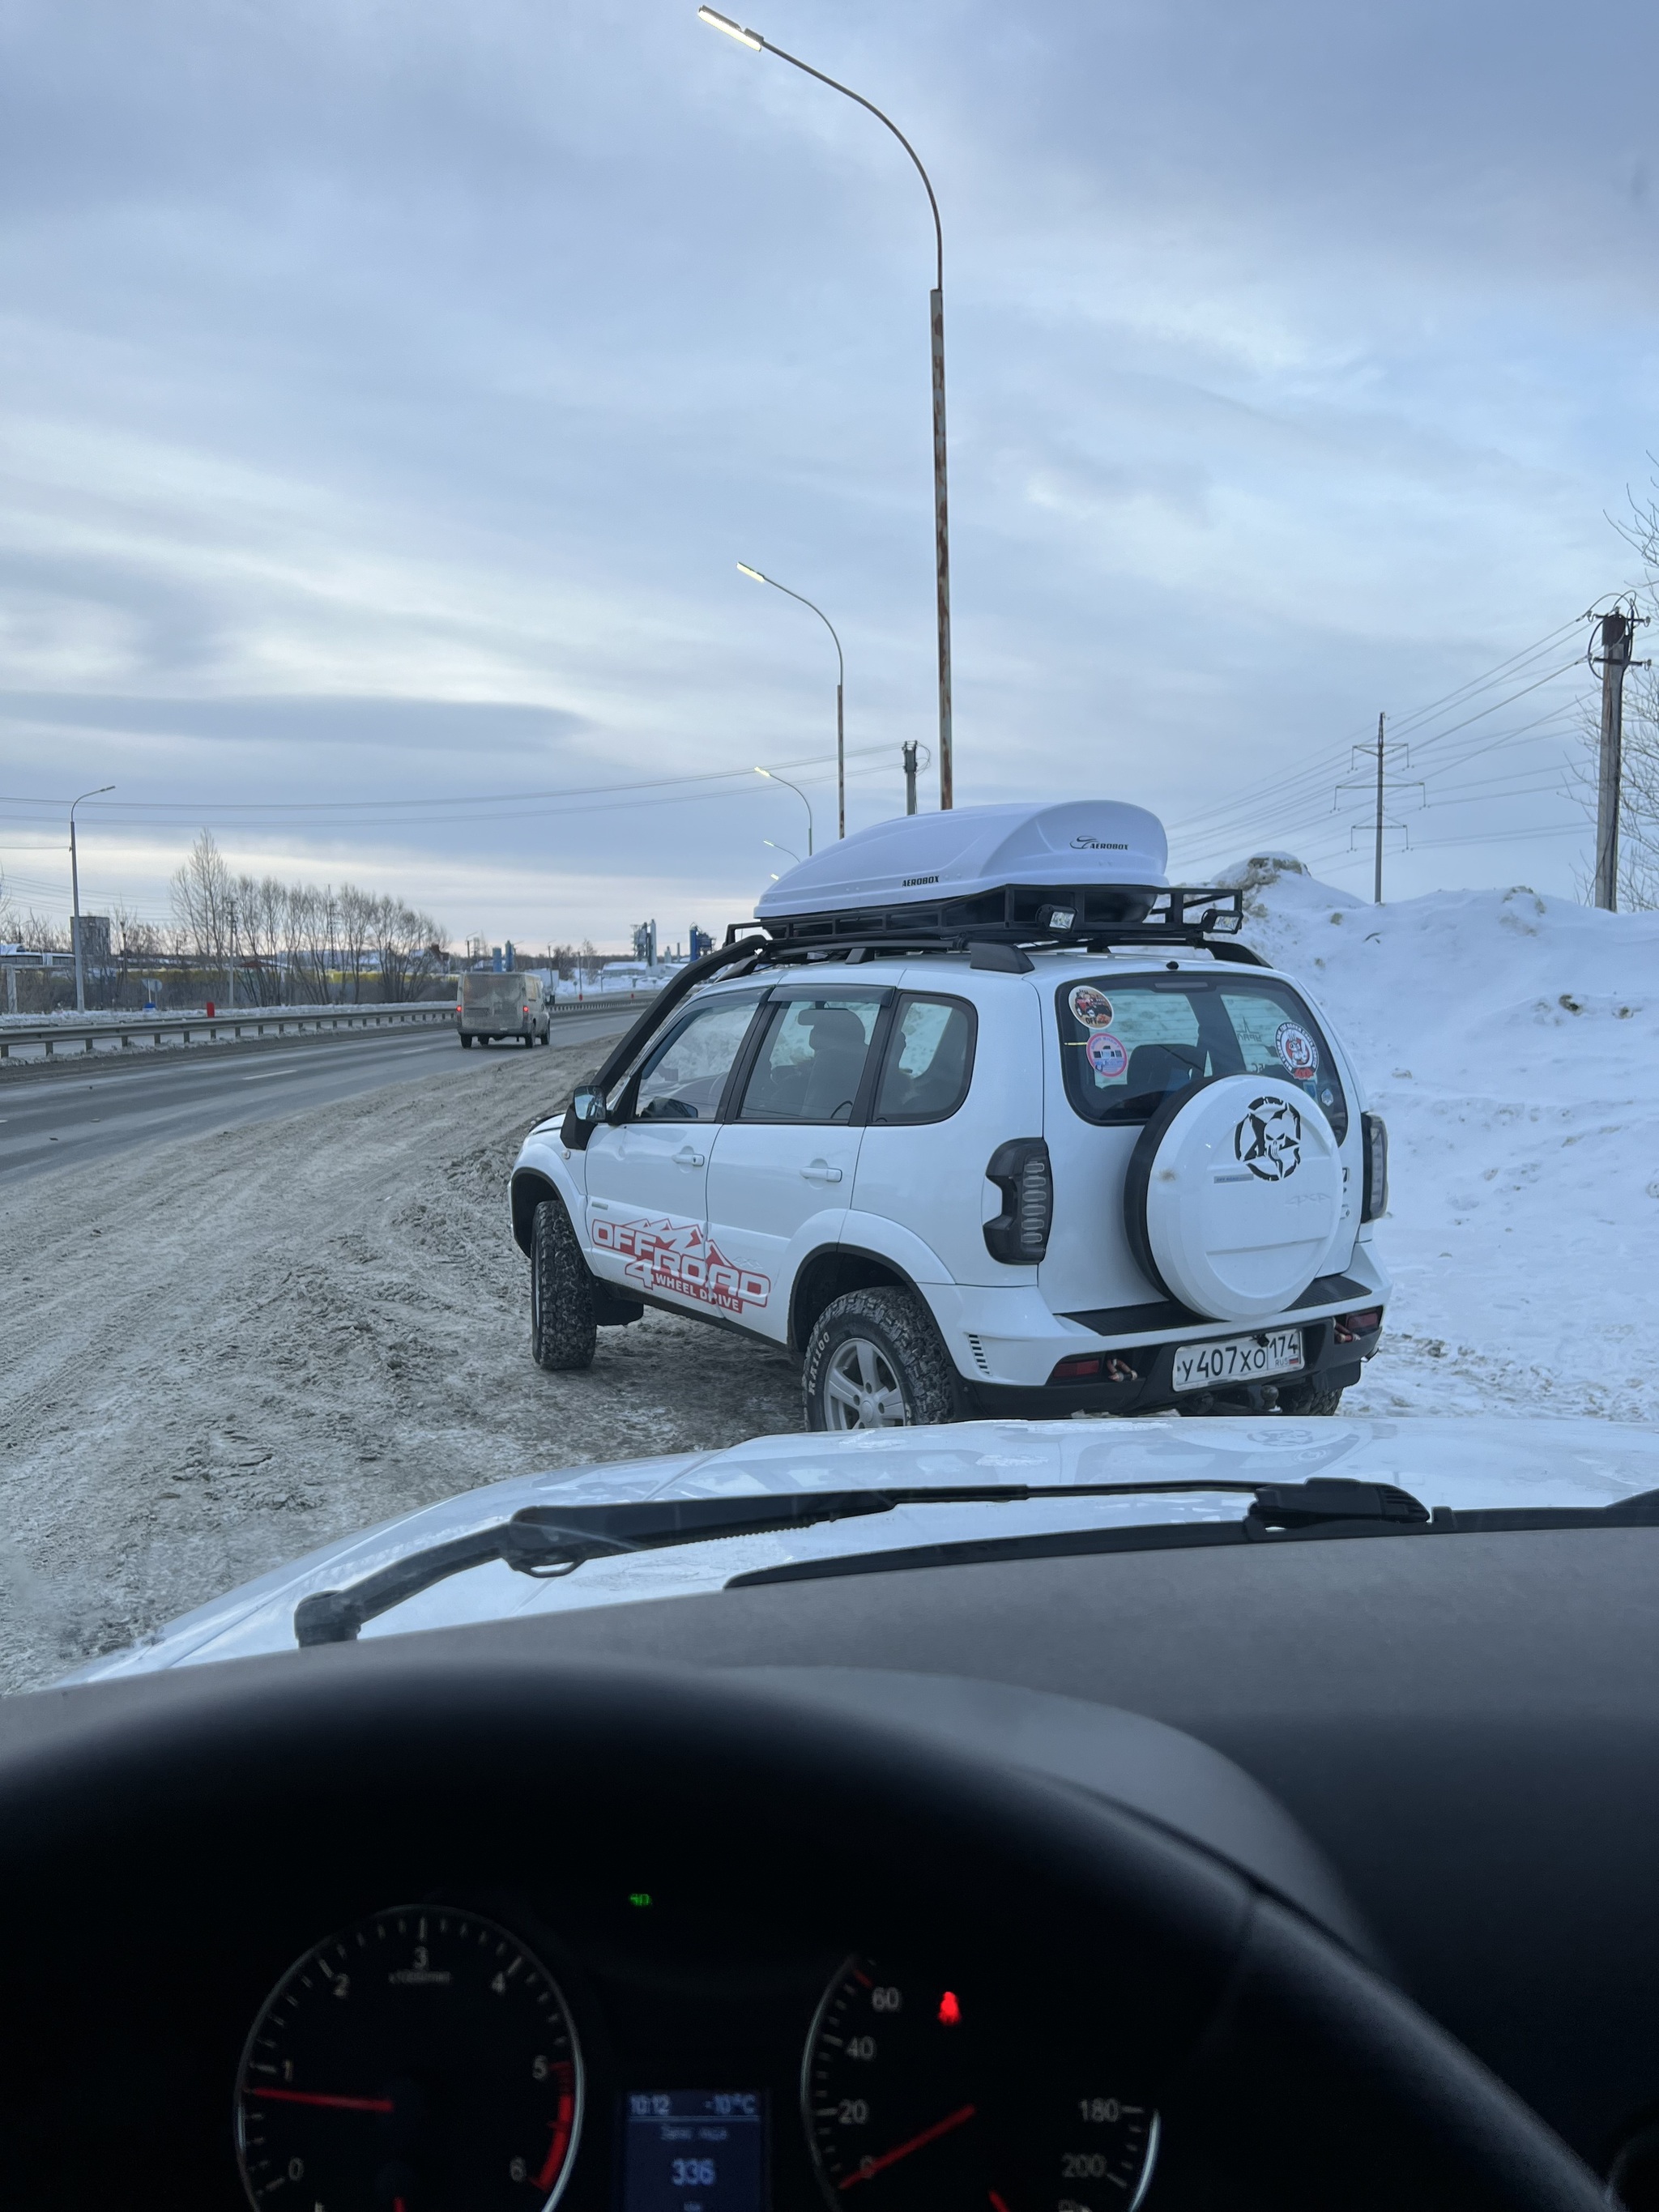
(1108,853)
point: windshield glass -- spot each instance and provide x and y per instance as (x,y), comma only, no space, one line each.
(508,965)
(1127,1044)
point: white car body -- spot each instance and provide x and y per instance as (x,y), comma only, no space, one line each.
(757,1225)
(1467,1464)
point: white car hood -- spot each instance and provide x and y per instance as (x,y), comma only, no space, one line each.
(1469,1463)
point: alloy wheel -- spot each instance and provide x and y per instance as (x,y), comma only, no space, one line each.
(861,1388)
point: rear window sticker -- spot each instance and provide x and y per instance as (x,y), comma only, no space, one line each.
(1298,1050)
(1106,1054)
(1090,1007)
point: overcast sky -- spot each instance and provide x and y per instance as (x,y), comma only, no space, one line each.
(388,392)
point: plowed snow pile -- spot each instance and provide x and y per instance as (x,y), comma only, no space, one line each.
(1511,1043)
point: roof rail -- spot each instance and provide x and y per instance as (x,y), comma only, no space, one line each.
(1088,917)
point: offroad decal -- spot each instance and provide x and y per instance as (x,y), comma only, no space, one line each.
(676,1256)
(1106,1056)
(1298,1050)
(1090,1006)
(1268,1140)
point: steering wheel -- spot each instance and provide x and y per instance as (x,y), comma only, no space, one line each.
(1288,2073)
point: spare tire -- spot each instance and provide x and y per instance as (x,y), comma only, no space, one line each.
(1233,1200)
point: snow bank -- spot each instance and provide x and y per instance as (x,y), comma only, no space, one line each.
(1511,1042)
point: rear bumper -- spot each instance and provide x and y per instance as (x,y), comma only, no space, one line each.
(1149,1386)
(1006,1342)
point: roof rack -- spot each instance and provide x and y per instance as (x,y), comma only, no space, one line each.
(1091,917)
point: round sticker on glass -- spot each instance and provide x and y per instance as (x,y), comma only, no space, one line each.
(1090,1007)
(1106,1056)
(1298,1050)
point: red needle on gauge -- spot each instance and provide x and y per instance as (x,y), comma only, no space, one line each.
(868,2168)
(315,2097)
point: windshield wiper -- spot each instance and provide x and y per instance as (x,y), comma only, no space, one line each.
(545,1540)
(1283,1512)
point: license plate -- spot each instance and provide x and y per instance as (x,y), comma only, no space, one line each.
(1237,1359)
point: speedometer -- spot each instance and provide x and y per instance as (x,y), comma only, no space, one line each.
(421,2059)
(923,2094)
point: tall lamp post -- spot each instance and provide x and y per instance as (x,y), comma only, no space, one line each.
(841,688)
(757,45)
(799,794)
(75,888)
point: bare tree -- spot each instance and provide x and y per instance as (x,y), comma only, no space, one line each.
(203,900)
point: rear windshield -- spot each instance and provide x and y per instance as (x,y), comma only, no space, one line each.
(1127,1043)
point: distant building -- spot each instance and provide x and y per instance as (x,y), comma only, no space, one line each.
(94,940)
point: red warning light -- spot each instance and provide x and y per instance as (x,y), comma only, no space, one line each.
(950,2012)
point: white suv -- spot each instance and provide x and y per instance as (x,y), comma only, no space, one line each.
(989,1120)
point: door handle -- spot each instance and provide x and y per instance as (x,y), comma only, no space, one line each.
(821,1171)
(685,1157)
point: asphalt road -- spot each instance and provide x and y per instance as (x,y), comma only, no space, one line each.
(53,1123)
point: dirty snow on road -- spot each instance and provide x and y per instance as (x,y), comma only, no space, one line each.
(1511,1043)
(223,1351)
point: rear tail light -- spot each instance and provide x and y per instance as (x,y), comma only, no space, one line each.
(1349,1325)
(1019,1235)
(1374,1136)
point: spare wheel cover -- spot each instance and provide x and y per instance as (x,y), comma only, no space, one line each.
(1233,1199)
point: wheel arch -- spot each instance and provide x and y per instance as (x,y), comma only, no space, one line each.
(829,1273)
(530,1186)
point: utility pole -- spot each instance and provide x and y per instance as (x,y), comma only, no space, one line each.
(1383,784)
(1617,631)
(910,777)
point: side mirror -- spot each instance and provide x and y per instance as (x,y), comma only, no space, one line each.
(584,1113)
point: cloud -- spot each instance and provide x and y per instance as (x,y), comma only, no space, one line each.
(390,393)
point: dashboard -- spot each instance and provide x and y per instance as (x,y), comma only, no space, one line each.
(438,2053)
(775,1900)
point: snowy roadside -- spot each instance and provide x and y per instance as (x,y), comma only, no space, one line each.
(1511,1043)
(222,1351)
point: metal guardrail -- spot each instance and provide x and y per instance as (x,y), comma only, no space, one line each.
(202,1027)
(199,1028)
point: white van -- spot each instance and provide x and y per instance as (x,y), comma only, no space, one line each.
(984,1118)
(491,1006)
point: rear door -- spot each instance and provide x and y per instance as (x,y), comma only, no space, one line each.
(783,1163)
(1121,1044)
(647,1173)
(960,1076)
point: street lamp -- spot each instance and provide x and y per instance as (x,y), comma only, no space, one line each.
(799,794)
(757,45)
(774,847)
(841,688)
(75,886)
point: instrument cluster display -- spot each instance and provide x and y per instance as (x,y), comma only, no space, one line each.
(424,2059)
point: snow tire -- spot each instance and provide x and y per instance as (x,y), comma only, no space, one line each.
(562,1329)
(1308,1398)
(886,1341)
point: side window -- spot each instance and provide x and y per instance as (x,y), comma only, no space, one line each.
(811,1061)
(682,1080)
(929,1062)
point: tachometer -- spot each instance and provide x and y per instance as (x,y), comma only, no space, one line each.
(420,2058)
(920,2095)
